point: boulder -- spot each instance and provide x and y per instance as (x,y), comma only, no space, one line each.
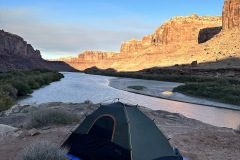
(6,130)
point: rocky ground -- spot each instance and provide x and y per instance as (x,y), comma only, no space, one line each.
(194,139)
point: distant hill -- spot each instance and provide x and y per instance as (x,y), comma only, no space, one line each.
(180,40)
(17,54)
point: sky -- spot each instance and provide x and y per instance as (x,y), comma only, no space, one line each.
(62,28)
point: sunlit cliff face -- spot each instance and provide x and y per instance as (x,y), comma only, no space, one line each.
(181,40)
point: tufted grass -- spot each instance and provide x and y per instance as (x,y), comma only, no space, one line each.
(40,117)
(42,150)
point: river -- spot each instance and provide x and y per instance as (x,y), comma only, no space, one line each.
(78,87)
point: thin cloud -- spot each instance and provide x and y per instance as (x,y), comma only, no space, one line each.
(59,38)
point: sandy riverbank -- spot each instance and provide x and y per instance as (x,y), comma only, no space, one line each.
(162,89)
(194,139)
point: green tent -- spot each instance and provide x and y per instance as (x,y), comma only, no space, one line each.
(119,131)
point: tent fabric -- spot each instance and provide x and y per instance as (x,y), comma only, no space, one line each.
(119,131)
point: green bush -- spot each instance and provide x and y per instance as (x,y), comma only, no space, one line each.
(9,90)
(42,150)
(32,83)
(39,117)
(23,89)
(20,83)
(39,80)
(5,101)
(220,90)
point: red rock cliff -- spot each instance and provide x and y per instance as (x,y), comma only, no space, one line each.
(181,29)
(231,14)
(95,55)
(134,46)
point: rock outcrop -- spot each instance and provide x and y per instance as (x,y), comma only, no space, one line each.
(134,46)
(231,14)
(17,54)
(181,29)
(95,55)
(15,45)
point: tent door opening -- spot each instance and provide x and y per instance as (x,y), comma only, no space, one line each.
(103,127)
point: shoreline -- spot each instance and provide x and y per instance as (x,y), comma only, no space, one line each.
(157,88)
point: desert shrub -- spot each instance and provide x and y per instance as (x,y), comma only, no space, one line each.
(47,79)
(32,83)
(40,117)
(42,150)
(23,89)
(9,90)
(17,73)
(5,101)
(87,101)
(39,80)
(4,76)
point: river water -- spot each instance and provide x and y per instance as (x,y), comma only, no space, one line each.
(78,87)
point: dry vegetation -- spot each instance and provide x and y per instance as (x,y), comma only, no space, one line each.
(40,117)
(42,150)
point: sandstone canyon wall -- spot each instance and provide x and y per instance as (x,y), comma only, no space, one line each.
(180,40)
(182,29)
(231,14)
(17,54)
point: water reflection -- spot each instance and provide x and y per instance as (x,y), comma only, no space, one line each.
(78,87)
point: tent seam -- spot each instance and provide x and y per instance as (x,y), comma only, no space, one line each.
(130,138)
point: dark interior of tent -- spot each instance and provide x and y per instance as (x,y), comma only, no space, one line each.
(97,144)
(103,127)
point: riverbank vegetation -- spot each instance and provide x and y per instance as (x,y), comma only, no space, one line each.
(20,83)
(217,88)
(221,90)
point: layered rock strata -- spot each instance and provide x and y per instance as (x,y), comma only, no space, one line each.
(231,14)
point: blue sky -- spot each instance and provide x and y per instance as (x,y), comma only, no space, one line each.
(60,28)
